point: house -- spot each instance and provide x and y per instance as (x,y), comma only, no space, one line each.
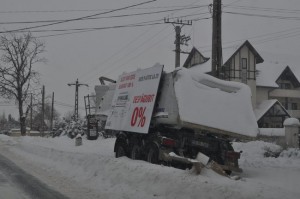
(244,64)
(279,82)
(240,66)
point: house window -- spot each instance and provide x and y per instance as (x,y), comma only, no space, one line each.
(285,86)
(244,63)
(294,106)
(244,71)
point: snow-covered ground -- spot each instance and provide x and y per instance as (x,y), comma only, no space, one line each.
(92,171)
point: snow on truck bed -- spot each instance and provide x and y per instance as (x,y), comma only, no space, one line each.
(203,99)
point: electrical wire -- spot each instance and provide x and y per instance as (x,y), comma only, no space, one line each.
(276,10)
(192,14)
(79,18)
(98,28)
(105,17)
(113,66)
(136,56)
(84,10)
(117,52)
(83,30)
(263,15)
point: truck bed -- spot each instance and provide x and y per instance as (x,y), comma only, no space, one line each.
(199,101)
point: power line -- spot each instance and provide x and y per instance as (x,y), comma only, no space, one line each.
(82,10)
(106,17)
(136,56)
(98,28)
(120,50)
(79,18)
(278,10)
(289,33)
(83,30)
(116,53)
(113,64)
(263,15)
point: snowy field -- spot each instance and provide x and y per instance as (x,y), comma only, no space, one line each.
(91,171)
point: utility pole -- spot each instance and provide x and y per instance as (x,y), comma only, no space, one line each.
(179,39)
(43,110)
(77,85)
(52,110)
(216,54)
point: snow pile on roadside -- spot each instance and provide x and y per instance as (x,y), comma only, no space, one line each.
(94,168)
(291,153)
(253,155)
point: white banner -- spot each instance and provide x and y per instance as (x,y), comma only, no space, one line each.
(134,99)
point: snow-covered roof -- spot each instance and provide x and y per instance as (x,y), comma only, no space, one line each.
(268,73)
(226,55)
(263,107)
(193,53)
(205,100)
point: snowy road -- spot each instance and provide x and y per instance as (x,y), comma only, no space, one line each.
(17,184)
(91,171)
(9,190)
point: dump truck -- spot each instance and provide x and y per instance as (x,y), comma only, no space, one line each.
(170,117)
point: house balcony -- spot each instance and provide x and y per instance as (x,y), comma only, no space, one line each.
(284,93)
(294,113)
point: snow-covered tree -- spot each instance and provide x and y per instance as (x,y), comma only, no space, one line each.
(19,52)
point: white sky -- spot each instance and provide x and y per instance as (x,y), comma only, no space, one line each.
(109,52)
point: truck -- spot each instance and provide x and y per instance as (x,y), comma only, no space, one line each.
(170,117)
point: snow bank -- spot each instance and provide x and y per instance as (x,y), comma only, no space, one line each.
(203,99)
(94,170)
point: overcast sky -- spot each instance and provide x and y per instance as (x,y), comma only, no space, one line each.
(272,26)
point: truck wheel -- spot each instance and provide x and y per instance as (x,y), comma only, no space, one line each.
(152,154)
(228,172)
(120,149)
(135,152)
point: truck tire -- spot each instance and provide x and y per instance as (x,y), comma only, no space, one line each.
(120,149)
(135,152)
(153,154)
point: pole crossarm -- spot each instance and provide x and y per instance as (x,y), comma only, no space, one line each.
(179,39)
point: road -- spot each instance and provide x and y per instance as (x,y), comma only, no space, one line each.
(15,183)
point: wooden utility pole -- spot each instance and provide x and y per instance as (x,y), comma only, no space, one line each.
(216,54)
(179,39)
(43,110)
(77,85)
(52,112)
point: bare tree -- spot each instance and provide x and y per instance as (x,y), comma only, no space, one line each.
(19,52)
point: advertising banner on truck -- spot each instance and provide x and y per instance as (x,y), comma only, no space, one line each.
(134,99)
